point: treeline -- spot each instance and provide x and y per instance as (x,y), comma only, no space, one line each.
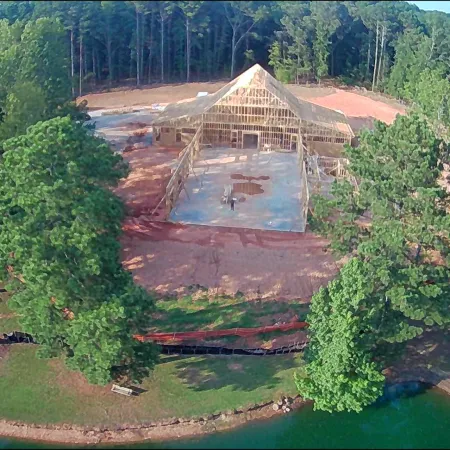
(34,82)
(160,41)
(370,42)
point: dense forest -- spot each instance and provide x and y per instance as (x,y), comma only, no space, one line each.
(381,44)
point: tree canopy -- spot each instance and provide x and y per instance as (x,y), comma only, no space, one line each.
(59,230)
(34,76)
(376,43)
(401,258)
(340,374)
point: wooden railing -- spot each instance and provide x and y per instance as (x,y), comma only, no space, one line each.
(179,176)
(304,195)
(333,166)
(304,190)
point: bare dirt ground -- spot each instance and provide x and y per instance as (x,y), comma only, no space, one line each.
(360,106)
(359,109)
(426,358)
(168,258)
(145,186)
(156,94)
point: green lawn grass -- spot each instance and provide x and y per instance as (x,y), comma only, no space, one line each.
(187,314)
(262,338)
(4,305)
(43,391)
(9,324)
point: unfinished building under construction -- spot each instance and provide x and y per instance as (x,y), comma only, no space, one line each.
(253,111)
(252,116)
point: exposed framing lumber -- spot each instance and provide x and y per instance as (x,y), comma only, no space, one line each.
(185,166)
(256,104)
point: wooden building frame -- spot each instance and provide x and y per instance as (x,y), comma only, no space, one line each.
(253,103)
(252,111)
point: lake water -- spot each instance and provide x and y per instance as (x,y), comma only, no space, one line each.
(398,421)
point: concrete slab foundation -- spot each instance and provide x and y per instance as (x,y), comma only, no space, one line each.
(267,188)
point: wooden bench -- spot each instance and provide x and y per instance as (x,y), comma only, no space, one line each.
(122,390)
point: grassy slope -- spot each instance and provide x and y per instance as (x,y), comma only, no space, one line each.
(187,314)
(42,391)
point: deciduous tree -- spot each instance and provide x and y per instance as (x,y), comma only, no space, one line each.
(340,374)
(401,253)
(59,230)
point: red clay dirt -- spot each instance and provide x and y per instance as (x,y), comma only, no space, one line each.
(242,332)
(168,258)
(148,178)
(358,106)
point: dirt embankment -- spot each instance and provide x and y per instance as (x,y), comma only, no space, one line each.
(146,96)
(143,189)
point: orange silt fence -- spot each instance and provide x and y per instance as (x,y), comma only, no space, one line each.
(242,332)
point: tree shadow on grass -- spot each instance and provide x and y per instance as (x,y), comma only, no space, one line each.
(241,373)
(218,316)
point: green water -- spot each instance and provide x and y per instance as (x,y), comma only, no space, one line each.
(419,421)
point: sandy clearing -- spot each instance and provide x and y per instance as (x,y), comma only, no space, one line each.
(146,96)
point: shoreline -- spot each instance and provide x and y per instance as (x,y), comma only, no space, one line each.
(172,429)
(165,430)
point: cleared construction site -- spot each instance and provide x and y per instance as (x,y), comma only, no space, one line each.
(252,154)
(180,231)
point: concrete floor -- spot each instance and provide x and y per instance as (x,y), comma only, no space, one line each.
(269,201)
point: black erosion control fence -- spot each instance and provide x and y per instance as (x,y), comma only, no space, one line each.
(17,337)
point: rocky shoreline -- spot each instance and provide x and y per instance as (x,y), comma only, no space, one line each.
(177,428)
(173,428)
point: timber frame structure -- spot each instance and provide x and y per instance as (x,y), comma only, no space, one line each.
(252,111)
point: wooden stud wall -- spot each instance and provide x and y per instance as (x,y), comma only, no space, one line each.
(272,136)
(255,110)
(316,133)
